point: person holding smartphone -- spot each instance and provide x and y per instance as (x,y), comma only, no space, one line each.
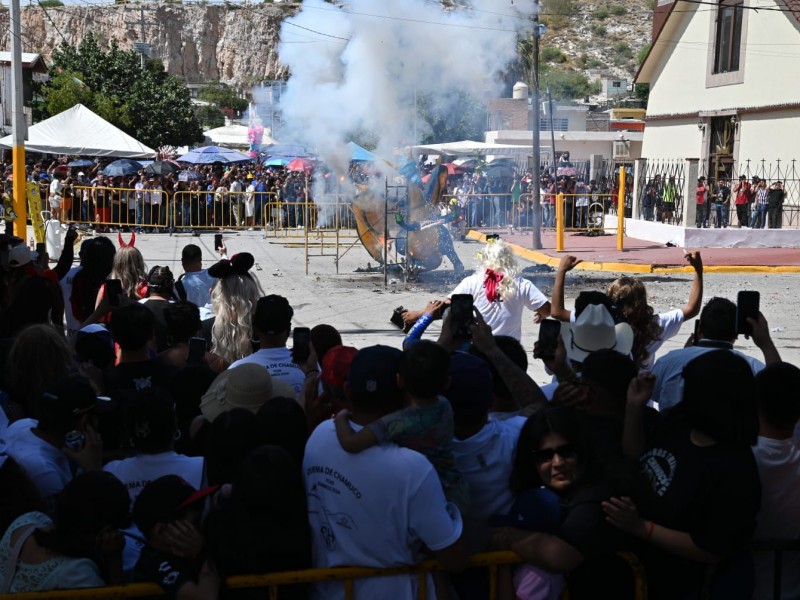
(498,292)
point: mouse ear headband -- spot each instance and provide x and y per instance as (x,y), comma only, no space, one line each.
(239,264)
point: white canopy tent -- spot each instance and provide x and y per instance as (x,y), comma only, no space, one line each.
(233,136)
(78,131)
(470,148)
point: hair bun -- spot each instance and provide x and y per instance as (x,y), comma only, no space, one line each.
(242,262)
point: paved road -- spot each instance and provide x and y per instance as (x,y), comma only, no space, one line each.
(358,304)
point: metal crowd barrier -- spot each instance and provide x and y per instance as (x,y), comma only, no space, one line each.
(271,582)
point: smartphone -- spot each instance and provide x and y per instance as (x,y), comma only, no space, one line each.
(696,334)
(462,317)
(747,305)
(217,241)
(549,330)
(113,291)
(41,248)
(301,339)
(197,351)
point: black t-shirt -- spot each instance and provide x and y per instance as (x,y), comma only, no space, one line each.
(157,306)
(712,492)
(139,375)
(167,570)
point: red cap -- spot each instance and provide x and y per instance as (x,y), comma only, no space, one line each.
(336,365)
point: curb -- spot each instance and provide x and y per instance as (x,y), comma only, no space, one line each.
(619,267)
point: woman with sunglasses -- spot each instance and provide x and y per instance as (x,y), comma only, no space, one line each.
(559,523)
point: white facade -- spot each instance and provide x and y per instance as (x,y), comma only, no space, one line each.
(762,96)
(580,144)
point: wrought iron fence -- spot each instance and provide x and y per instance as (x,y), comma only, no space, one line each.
(660,184)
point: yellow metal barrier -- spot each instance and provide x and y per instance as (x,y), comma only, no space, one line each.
(347,575)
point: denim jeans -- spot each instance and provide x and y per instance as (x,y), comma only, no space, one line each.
(759,217)
(723,210)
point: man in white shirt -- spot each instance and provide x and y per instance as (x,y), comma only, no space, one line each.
(195,284)
(379,507)
(272,322)
(38,446)
(777,454)
(717,330)
(236,200)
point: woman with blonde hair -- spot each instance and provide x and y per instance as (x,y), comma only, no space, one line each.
(131,271)
(233,300)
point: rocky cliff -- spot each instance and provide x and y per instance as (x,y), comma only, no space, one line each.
(237,43)
(234,43)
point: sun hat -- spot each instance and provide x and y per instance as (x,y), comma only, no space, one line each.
(247,386)
(594,330)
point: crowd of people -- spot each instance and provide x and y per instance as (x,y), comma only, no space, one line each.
(161,429)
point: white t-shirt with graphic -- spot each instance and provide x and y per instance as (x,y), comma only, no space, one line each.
(279,363)
(376,508)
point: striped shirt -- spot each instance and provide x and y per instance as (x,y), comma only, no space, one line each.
(761,196)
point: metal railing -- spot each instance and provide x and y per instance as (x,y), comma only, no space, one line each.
(271,582)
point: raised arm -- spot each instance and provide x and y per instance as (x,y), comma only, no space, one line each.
(557,310)
(633,440)
(762,339)
(692,308)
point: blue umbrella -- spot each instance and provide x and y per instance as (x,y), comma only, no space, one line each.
(278,161)
(213,154)
(292,150)
(189,176)
(120,167)
(81,162)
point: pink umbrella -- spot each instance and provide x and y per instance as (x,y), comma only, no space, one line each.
(300,164)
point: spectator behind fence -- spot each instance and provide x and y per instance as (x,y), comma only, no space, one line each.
(370,496)
(697,460)
(778,458)
(78,548)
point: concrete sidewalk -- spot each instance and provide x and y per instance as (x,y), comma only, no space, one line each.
(599,253)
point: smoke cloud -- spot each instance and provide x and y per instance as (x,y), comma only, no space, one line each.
(356,69)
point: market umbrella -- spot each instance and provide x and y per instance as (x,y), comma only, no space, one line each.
(189,176)
(300,164)
(499,171)
(213,154)
(357,153)
(278,161)
(161,167)
(81,162)
(124,166)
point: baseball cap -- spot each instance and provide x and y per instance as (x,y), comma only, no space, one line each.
(247,386)
(537,509)
(471,386)
(163,499)
(273,314)
(593,330)
(74,396)
(336,365)
(373,371)
(20,255)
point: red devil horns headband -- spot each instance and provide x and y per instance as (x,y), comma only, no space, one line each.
(122,243)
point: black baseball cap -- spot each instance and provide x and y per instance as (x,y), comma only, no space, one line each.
(273,315)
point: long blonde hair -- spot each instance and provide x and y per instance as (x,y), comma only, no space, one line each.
(233,301)
(130,269)
(498,257)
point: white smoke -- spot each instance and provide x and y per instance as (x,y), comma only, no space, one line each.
(358,67)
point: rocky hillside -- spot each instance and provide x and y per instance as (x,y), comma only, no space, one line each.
(237,43)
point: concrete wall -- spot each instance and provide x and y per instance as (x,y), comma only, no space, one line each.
(673,139)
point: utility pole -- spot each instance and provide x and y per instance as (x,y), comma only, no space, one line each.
(18,126)
(552,133)
(141,47)
(536,234)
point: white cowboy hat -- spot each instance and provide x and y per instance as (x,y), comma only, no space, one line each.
(595,330)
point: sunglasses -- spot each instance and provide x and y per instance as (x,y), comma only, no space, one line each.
(546,455)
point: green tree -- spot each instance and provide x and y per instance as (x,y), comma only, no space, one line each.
(148,104)
(566,84)
(462,118)
(223,96)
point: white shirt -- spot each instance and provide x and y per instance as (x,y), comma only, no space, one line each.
(138,471)
(376,509)
(46,465)
(56,187)
(197,285)
(279,363)
(668,371)
(778,464)
(485,461)
(505,318)
(156,195)
(66,283)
